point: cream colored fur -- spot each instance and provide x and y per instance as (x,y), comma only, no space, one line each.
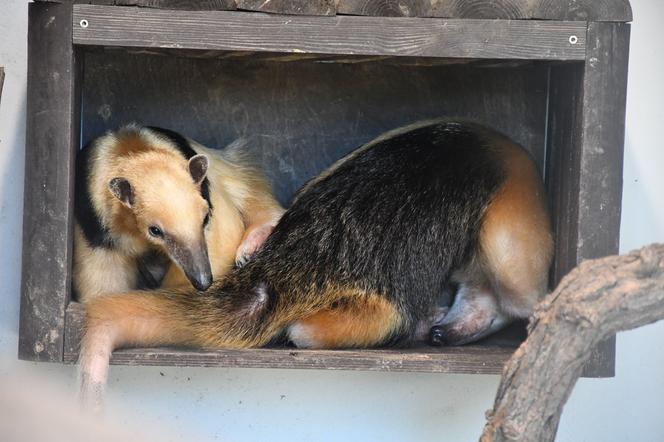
(244,209)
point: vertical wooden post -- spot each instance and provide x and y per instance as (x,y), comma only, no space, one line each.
(51,144)
(601,158)
(2,79)
(586,140)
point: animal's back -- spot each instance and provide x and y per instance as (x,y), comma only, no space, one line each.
(395,217)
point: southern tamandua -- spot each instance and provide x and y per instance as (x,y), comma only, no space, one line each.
(362,254)
(148,197)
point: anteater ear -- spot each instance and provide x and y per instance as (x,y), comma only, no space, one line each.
(198,166)
(121,189)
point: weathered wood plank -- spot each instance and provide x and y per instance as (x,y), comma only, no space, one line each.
(563,167)
(601,154)
(236,31)
(484,9)
(586,156)
(476,359)
(290,7)
(52,140)
(602,138)
(467,360)
(281,57)
(586,10)
(385,8)
(184,5)
(582,10)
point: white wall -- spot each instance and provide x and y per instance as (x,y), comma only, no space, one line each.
(247,405)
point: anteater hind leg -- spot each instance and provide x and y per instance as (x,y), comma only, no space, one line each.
(516,244)
(504,282)
(358,321)
(505,286)
(474,314)
(509,271)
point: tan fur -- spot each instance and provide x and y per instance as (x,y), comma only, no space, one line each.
(113,322)
(96,271)
(358,321)
(237,186)
(515,239)
(516,246)
(143,319)
(166,196)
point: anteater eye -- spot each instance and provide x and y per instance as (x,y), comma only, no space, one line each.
(206,220)
(155,231)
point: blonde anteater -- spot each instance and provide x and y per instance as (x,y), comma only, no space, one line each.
(155,208)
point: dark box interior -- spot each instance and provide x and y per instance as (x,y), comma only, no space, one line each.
(300,114)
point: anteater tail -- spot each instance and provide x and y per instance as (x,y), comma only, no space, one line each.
(232,314)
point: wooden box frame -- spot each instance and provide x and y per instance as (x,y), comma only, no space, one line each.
(584,46)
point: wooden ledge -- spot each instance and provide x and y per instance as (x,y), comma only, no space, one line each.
(582,10)
(466,360)
(474,359)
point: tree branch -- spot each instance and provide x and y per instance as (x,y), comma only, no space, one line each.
(2,79)
(596,300)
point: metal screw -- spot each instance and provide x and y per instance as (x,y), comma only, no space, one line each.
(84,23)
(573,39)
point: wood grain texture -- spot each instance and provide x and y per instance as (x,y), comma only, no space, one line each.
(596,300)
(476,359)
(236,31)
(563,167)
(385,8)
(483,9)
(52,140)
(586,138)
(184,5)
(585,10)
(254,57)
(601,154)
(582,10)
(290,7)
(300,116)
(602,136)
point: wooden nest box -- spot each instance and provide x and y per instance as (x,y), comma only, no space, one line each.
(306,82)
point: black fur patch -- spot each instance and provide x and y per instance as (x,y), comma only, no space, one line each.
(151,267)
(187,151)
(397,220)
(95,233)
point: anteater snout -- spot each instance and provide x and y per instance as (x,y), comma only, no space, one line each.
(194,262)
(202,281)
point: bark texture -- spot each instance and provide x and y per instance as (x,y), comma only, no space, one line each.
(596,300)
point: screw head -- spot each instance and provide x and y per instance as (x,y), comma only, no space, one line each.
(573,39)
(84,23)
